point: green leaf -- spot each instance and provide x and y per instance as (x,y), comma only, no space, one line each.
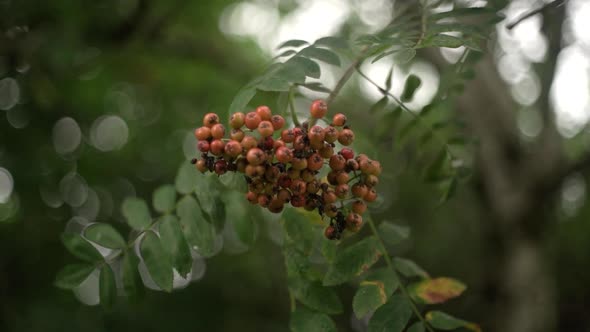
(333,42)
(437,290)
(449,188)
(436,169)
(72,275)
(80,247)
(417,327)
(299,229)
(105,235)
(137,213)
(197,230)
(404,56)
(316,86)
(392,316)
(321,54)
(393,234)
(389,78)
(379,105)
(157,261)
(234,181)
(303,320)
(408,268)
(291,72)
(240,216)
(242,99)
(164,198)
(374,291)
(309,67)
(286,53)
(443,40)
(282,104)
(329,249)
(186,178)
(443,321)
(274,84)
(174,243)
(315,296)
(209,194)
(107,287)
(412,84)
(353,261)
(462,12)
(298,265)
(292,43)
(132,283)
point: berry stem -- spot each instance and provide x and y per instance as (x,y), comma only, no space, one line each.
(402,287)
(292,107)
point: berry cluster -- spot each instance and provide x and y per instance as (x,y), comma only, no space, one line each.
(285,169)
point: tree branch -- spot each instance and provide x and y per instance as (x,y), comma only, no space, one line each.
(534,12)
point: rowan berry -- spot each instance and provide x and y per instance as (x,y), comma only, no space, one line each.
(255,156)
(203,146)
(352,165)
(354,222)
(298,187)
(315,162)
(217,147)
(346,137)
(284,181)
(318,108)
(359,206)
(313,187)
(288,136)
(233,149)
(263,200)
(252,197)
(284,154)
(276,205)
(203,133)
(339,120)
(252,120)
(201,165)
(284,195)
(331,210)
(329,196)
(236,120)
(316,134)
(337,162)
(265,128)
(264,112)
(294,173)
(341,190)
(359,190)
(330,233)
(210,119)
(371,180)
(371,195)
(330,134)
(220,167)
(347,153)
(249,142)
(237,135)
(326,151)
(299,143)
(299,163)
(278,122)
(297,200)
(342,177)
(307,175)
(278,143)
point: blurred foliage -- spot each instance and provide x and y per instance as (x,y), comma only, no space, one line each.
(160,66)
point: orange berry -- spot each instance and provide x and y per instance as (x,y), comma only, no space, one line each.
(359,207)
(318,109)
(217,147)
(233,149)
(339,120)
(210,119)
(252,120)
(237,135)
(249,142)
(203,133)
(264,112)
(288,136)
(255,156)
(265,128)
(218,131)
(236,120)
(346,137)
(278,122)
(315,162)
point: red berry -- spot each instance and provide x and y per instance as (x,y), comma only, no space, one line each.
(299,143)
(354,222)
(359,207)
(326,151)
(284,154)
(342,177)
(252,197)
(346,137)
(267,143)
(347,153)
(252,120)
(298,187)
(284,181)
(318,109)
(249,142)
(330,134)
(341,190)
(352,165)
(316,133)
(298,200)
(371,195)
(237,135)
(210,119)
(264,112)
(315,162)
(255,156)
(220,167)
(203,133)
(337,162)
(284,195)
(276,205)
(265,128)
(237,120)
(217,147)
(277,121)
(203,146)
(329,196)
(339,120)
(263,200)
(218,131)
(288,136)
(277,144)
(233,149)
(330,233)
(359,190)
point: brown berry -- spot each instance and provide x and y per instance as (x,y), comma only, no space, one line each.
(330,134)
(315,162)
(237,135)
(359,207)
(337,162)
(236,120)
(346,137)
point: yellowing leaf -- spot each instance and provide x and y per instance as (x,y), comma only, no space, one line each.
(437,290)
(443,321)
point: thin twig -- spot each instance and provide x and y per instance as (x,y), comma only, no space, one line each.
(534,12)
(402,287)
(346,76)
